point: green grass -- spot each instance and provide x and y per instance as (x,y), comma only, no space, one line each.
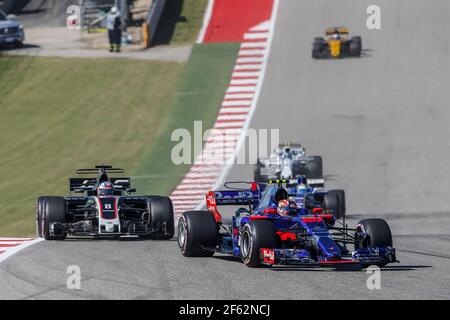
(193,11)
(181,22)
(198,97)
(57,115)
(60,114)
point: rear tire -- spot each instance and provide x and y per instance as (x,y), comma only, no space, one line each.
(314,168)
(358,39)
(254,236)
(298,169)
(196,230)
(318,50)
(53,210)
(355,47)
(161,212)
(331,202)
(341,198)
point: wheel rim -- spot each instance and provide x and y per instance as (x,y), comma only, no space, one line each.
(182,234)
(245,247)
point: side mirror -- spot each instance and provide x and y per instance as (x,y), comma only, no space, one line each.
(130,190)
(11,17)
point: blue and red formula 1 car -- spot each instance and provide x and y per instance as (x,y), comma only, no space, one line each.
(260,235)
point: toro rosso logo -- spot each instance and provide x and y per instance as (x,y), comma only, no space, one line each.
(268,256)
(239,195)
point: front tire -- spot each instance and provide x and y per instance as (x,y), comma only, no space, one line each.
(53,211)
(378,235)
(254,236)
(378,232)
(355,47)
(197,230)
(39,213)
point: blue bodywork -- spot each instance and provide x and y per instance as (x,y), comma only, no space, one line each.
(313,244)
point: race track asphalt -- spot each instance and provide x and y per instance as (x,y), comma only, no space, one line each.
(381,124)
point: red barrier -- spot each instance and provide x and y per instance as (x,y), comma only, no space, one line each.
(230,19)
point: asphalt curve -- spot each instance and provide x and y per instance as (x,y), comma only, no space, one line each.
(380,123)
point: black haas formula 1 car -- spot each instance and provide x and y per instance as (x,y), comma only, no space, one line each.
(336,45)
(106,208)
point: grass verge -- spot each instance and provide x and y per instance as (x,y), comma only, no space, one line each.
(181,22)
(60,114)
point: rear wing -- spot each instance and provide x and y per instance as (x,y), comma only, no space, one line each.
(80,185)
(314,183)
(333,30)
(236,198)
(249,198)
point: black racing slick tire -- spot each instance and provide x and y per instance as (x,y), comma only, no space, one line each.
(162,217)
(378,235)
(53,211)
(378,232)
(197,230)
(331,203)
(298,169)
(319,48)
(355,46)
(341,198)
(314,168)
(39,213)
(357,39)
(317,51)
(254,236)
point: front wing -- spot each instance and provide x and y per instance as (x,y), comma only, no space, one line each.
(301,257)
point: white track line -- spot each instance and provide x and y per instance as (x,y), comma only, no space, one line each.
(256,35)
(238,95)
(243,66)
(250,60)
(206,20)
(9,251)
(246,45)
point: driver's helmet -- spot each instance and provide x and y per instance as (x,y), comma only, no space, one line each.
(302,183)
(336,36)
(283,207)
(105,189)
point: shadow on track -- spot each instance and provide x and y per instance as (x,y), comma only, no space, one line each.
(170,17)
(24,46)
